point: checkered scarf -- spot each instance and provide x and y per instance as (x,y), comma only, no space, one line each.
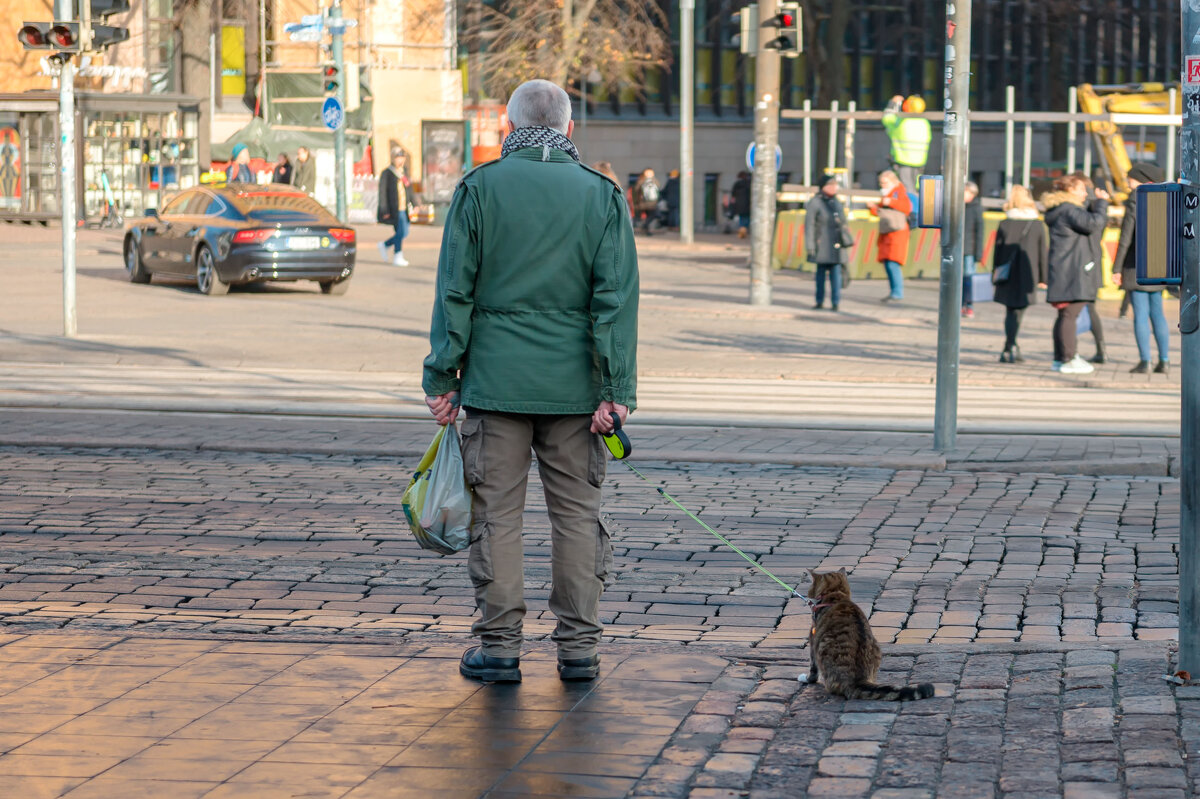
(538,136)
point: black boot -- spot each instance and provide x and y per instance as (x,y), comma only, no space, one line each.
(1142,368)
(1161,367)
(479,666)
(1101,355)
(579,668)
(1006,356)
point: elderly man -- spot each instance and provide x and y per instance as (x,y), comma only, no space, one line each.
(535,333)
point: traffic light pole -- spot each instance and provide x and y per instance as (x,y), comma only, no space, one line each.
(954,174)
(763,186)
(339,133)
(65,10)
(1189,328)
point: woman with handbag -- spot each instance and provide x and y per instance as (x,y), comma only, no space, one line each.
(1073,263)
(1018,265)
(827,240)
(893,211)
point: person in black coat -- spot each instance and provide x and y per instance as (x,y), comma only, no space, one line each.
(973,237)
(1018,265)
(670,196)
(1097,276)
(1074,262)
(283,170)
(1146,300)
(392,206)
(739,203)
(825,237)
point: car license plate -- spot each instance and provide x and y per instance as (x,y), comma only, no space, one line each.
(304,242)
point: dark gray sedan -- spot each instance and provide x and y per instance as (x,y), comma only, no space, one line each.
(241,233)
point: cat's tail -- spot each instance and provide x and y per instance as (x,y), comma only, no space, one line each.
(891,693)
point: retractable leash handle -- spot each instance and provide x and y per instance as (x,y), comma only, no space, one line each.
(618,444)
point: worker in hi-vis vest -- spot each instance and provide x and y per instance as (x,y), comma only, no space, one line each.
(910,138)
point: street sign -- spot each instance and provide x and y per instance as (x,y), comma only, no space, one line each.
(750,156)
(332,114)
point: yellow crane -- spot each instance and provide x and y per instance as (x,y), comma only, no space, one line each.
(1124,98)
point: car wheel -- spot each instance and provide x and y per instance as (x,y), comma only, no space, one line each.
(207,279)
(133,263)
(335,287)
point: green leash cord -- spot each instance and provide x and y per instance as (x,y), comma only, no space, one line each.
(618,444)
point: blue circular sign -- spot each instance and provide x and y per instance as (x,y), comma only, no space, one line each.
(332,114)
(750,156)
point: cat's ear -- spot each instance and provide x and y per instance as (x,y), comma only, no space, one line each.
(843,571)
(812,575)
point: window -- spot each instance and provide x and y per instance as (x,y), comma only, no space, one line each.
(177,204)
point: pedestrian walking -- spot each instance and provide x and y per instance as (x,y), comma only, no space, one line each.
(606,168)
(392,207)
(893,210)
(1018,265)
(972,244)
(739,203)
(283,170)
(827,240)
(305,176)
(1147,301)
(645,199)
(909,137)
(1095,324)
(239,170)
(670,200)
(535,333)
(1073,262)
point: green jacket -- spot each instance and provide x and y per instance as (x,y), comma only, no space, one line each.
(910,138)
(537,290)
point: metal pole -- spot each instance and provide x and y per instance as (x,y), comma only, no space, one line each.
(1171,174)
(954,173)
(687,77)
(1189,322)
(66,125)
(1010,107)
(763,187)
(1027,144)
(339,134)
(1073,108)
(1087,154)
(807,144)
(848,147)
(831,160)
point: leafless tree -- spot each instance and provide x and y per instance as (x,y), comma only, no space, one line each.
(563,40)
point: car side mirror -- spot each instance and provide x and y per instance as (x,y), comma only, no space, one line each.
(152,212)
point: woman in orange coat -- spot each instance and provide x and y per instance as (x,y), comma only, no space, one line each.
(893,211)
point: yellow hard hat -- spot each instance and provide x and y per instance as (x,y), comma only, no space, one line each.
(913,105)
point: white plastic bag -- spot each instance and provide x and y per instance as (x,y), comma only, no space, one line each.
(437,502)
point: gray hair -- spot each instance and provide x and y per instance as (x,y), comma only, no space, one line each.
(539,103)
(971,185)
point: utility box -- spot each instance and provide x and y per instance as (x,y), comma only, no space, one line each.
(1159,233)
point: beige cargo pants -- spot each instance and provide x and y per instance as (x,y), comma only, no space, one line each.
(571,462)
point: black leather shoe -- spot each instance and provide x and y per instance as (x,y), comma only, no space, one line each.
(478,666)
(1161,367)
(579,668)
(1143,367)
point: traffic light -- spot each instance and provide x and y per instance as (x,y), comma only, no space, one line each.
(330,80)
(788,42)
(104,36)
(35,36)
(747,37)
(64,37)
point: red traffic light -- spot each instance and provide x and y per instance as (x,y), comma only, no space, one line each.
(330,70)
(32,36)
(62,36)
(787,20)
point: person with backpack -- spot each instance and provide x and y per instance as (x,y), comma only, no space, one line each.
(893,210)
(739,203)
(393,206)
(645,199)
(827,240)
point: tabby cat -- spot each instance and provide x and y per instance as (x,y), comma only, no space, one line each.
(842,647)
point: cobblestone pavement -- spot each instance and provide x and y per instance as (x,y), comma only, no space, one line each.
(159,603)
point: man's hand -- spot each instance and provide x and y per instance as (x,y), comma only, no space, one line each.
(1116,278)
(602,422)
(444,407)
(1101,194)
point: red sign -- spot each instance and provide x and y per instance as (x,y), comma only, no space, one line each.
(1193,69)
